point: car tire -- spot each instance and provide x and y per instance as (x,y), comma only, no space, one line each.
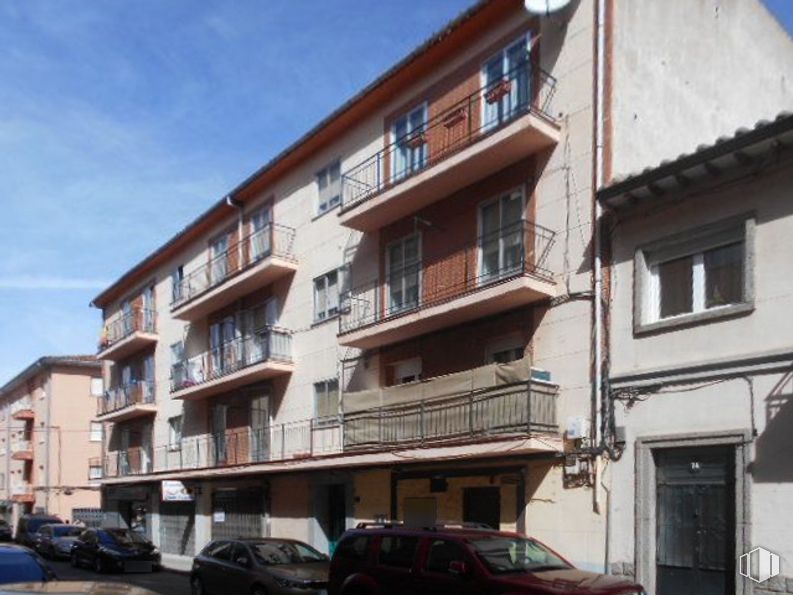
(196,586)
(258,590)
(99,566)
(74,561)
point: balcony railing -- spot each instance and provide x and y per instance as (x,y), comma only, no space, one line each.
(480,114)
(269,345)
(124,324)
(140,392)
(271,240)
(517,250)
(519,409)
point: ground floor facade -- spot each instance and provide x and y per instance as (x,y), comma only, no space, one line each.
(703,478)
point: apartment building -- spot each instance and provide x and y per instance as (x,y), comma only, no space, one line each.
(394,318)
(50,444)
(701,363)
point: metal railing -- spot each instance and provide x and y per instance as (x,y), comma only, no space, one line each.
(524,90)
(139,392)
(492,412)
(269,344)
(520,409)
(271,240)
(517,250)
(123,324)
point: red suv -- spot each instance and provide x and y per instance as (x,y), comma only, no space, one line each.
(393,560)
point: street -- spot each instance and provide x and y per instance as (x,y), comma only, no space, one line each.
(163,582)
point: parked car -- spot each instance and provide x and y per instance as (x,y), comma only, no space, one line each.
(259,567)
(56,541)
(5,531)
(19,564)
(73,587)
(463,561)
(114,550)
(28,527)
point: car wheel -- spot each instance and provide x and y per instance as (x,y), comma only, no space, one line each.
(75,562)
(99,566)
(196,586)
(259,591)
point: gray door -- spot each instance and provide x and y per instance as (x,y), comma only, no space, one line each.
(237,513)
(695,521)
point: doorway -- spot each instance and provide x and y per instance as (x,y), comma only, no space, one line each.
(482,505)
(695,521)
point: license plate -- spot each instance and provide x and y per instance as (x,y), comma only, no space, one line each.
(134,566)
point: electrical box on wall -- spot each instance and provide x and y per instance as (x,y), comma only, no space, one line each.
(577,427)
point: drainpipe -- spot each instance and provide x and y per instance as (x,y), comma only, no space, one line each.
(47,445)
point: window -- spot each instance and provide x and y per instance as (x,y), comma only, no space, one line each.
(220,550)
(175,433)
(326,296)
(504,350)
(261,233)
(501,237)
(97,387)
(177,284)
(329,185)
(442,553)
(506,80)
(326,401)
(96,431)
(403,272)
(353,548)
(95,472)
(398,551)
(178,368)
(410,146)
(407,371)
(699,274)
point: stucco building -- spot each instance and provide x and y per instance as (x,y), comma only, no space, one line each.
(394,318)
(50,444)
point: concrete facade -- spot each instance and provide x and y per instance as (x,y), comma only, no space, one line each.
(47,445)
(308,485)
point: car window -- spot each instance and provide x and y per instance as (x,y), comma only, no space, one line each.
(354,547)
(33,525)
(220,550)
(65,531)
(503,554)
(442,553)
(45,530)
(240,552)
(285,552)
(398,550)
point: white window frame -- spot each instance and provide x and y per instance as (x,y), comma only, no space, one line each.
(96,431)
(502,52)
(328,420)
(331,200)
(424,107)
(97,392)
(480,229)
(326,314)
(693,243)
(94,476)
(420,261)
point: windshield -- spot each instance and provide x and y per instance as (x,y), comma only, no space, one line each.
(285,552)
(121,537)
(34,524)
(21,568)
(515,554)
(66,531)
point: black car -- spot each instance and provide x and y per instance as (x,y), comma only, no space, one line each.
(5,531)
(259,566)
(20,565)
(114,550)
(28,527)
(56,541)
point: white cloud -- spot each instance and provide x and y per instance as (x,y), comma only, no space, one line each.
(31,282)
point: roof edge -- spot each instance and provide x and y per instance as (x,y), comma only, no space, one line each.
(46,362)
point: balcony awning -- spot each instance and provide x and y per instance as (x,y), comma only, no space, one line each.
(467,381)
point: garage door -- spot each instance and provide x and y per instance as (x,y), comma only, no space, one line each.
(177,528)
(237,513)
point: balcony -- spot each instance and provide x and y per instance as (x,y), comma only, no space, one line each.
(23,493)
(490,129)
(127,402)
(130,462)
(22,450)
(127,333)
(498,272)
(258,260)
(22,410)
(235,363)
(499,402)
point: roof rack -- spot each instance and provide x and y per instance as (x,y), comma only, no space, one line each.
(379,525)
(435,527)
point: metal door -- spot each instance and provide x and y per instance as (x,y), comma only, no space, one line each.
(695,522)
(237,513)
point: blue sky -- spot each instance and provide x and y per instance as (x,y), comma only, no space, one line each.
(121,121)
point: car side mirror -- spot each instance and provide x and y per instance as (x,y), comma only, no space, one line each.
(458,568)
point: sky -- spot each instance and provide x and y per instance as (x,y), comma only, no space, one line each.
(121,121)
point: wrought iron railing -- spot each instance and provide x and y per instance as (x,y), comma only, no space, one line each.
(139,392)
(270,344)
(271,240)
(521,249)
(124,324)
(524,90)
(520,409)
